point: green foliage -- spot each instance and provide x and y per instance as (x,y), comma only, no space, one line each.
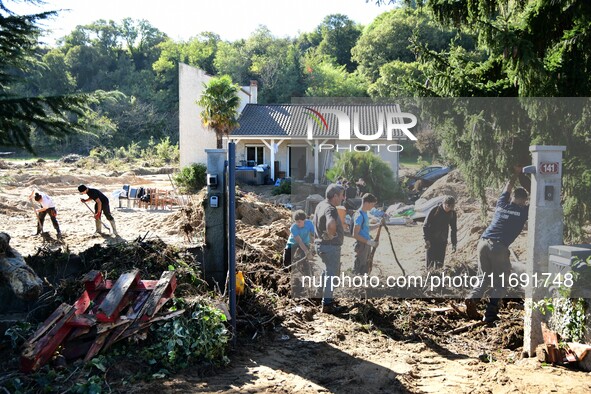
(19,333)
(199,51)
(533,48)
(324,79)
(197,335)
(283,188)
(191,178)
(387,39)
(339,35)
(485,138)
(428,143)
(396,79)
(153,155)
(377,173)
(569,315)
(219,102)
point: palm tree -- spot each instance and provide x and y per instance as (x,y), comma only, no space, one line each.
(220,103)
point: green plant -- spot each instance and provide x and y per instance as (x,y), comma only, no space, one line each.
(283,188)
(568,315)
(197,335)
(101,153)
(167,151)
(191,178)
(377,173)
(19,333)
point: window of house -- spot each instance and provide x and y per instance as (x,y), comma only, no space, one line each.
(255,154)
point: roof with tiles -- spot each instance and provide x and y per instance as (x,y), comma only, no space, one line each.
(291,120)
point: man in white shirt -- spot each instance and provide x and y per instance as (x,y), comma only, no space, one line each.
(47,207)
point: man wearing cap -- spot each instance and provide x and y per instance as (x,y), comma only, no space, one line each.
(329,233)
(493,250)
(101,206)
(436,229)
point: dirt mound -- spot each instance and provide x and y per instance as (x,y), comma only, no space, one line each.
(258,223)
(4,165)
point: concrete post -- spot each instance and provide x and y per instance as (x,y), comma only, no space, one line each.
(316,161)
(215,264)
(545,228)
(272,159)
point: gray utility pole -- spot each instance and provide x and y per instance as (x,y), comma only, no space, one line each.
(215,253)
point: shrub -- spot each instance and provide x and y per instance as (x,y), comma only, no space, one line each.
(191,178)
(167,151)
(101,154)
(377,173)
(283,188)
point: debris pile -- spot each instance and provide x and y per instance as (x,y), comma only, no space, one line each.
(105,313)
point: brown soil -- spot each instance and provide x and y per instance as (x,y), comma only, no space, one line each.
(286,345)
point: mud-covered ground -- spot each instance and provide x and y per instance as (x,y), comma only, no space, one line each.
(286,344)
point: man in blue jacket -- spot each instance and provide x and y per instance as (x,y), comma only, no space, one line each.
(493,250)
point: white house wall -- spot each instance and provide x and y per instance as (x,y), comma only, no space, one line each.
(193,137)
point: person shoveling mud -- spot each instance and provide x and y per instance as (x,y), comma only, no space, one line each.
(101,206)
(47,207)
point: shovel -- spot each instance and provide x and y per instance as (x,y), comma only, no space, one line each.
(103,223)
(36,214)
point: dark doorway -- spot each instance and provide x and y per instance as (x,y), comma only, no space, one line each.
(297,162)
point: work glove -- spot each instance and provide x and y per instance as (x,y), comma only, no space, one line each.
(427,244)
(454,248)
(372,243)
(97,216)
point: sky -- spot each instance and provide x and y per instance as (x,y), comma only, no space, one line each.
(183,19)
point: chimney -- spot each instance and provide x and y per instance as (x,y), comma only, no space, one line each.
(253,91)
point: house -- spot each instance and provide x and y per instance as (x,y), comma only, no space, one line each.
(193,136)
(295,140)
(299,141)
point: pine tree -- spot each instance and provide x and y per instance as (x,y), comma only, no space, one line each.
(54,115)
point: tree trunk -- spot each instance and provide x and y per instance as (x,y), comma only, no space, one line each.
(219,141)
(21,278)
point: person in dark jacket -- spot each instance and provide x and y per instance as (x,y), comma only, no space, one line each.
(510,216)
(436,230)
(101,206)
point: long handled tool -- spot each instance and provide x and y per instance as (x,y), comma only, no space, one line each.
(103,223)
(373,250)
(392,246)
(36,214)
